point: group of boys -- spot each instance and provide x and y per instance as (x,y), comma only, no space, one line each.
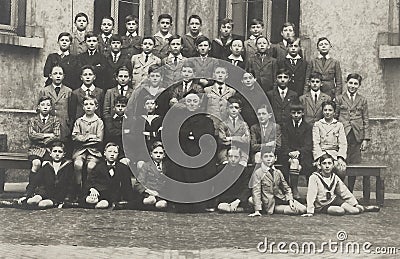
(86,110)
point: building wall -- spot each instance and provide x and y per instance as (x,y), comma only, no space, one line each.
(353,28)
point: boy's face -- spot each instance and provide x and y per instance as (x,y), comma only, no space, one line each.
(233,156)
(220,74)
(353,85)
(88,77)
(57,153)
(157,154)
(194,26)
(150,106)
(123,77)
(120,108)
(111,154)
(328,112)
(165,25)
(116,46)
(147,46)
(248,80)
(268,159)
(131,26)
(282,80)
(262,45)
(203,48)
(327,165)
(287,32)
(226,30)
(296,115)
(92,42)
(323,47)
(57,75)
(192,102)
(187,73)
(44,107)
(294,48)
(263,116)
(256,30)
(237,47)
(234,110)
(175,46)
(155,78)
(106,26)
(89,107)
(64,42)
(315,84)
(81,23)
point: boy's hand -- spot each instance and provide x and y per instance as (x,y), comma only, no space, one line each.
(307,215)
(173,101)
(255,214)
(94,192)
(364,145)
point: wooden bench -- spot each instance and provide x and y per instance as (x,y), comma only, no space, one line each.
(369,170)
(12,161)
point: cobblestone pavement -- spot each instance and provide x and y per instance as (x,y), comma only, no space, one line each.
(80,233)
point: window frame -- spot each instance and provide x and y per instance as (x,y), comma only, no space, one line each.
(115,13)
(13,26)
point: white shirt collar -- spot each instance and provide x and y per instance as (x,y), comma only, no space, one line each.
(105,37)
(116,116)
(159,34)
(43,117)
(324,121)
(232,57)
(296,57)
(283,90)
(94,118)
(125,87)
(131,34)
(54,86)
(300,121)
(65,53)
(144,55)
(85,88)
(217,86)
(252,37)
(327,56)
(171,56)
(115,55)
(349,95)
(188,34)
(284,42)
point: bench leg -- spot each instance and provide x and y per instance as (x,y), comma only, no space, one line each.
(2,179)
(380,191)
(366,188)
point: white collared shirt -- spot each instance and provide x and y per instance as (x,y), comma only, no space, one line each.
(327,56)
(148,54)
(313,93)
(116,116)
(111,171)
(61,53)
(218,86)
(105,37)
(131,34)
(56,166)
(44,118)
(113,55)
(159,34)
(232,57)
(284,42)
(171,57)
(349,95)
(186,85)
(264,127)
(294,123)
(283,91)
(296,57)
(90,88)
(233,120)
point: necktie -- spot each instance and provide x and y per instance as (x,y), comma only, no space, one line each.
(175,60)
(111,169)
(220,90)
(323,60)
(296,124)
(234,122)
(44,121)
(146,58)
(235,62)
(91,52)
(352,97)
(315,98)
(115,58)
(184,87)
(122,91)
(57,89)
(158,166)
(87,92)
(283,95)
(271,172)
(62,55)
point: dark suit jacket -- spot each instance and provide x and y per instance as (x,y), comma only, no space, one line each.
(279,107)
(332,81)
(272,133)
(312,110)
(123,60)
(110,98)
(264,69)
(297,139)
(56,187)
(219,50)
(76,104)
(118,186)
(70,66)
(189,48)
(131,45)
(299,74)
(240,188)
(99,62)
(279,50)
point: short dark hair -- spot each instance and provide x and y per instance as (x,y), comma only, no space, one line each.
(45,98)
(256,21)
(200,39)
(164,16)
(116,37)
(130,18)
(287,24)
(283,71)
(354,76)
(87,67)
(315,74)
(122,68)
(90,34)
(108,18)
(264,106)
(149,38)
(81,15)
(57,144)
(226,21)
(154,69)
(156,144)
(293,40)
(234,99)
(325,156)
(174,37)
(90,97)
(111,144)
(195,16)
(296,105)
(121,99)
(65,34)
(323,38)
(267,149)
(331,103)
(262,37)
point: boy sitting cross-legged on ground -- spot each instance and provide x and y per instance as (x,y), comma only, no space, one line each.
(270,190)
(236,196)
(110,181)
(150,177)
(326,193)
(55,180)
(88,134)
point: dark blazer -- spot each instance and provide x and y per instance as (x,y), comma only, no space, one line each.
(118,186)
(312,110)
(272,133)
(299,74)
(131,45)
(219,50)
(103,47)
(113,132)
(279,107)
(58,186)
(178,92)
(70,66)
(110,98)
(264,69)
(332,81)
(279,50)
(76,105)
(189,48)
(240,188)
(123,60)
(99,62)
(297,139)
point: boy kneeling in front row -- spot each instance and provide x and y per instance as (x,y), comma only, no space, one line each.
(270,189)
(110,181)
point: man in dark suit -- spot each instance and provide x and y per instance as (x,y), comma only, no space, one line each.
(297,146)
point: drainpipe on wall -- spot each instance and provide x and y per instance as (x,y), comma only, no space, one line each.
(180,17)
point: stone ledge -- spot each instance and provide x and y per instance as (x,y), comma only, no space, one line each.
(15,40)
(386,51)
(17,111)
